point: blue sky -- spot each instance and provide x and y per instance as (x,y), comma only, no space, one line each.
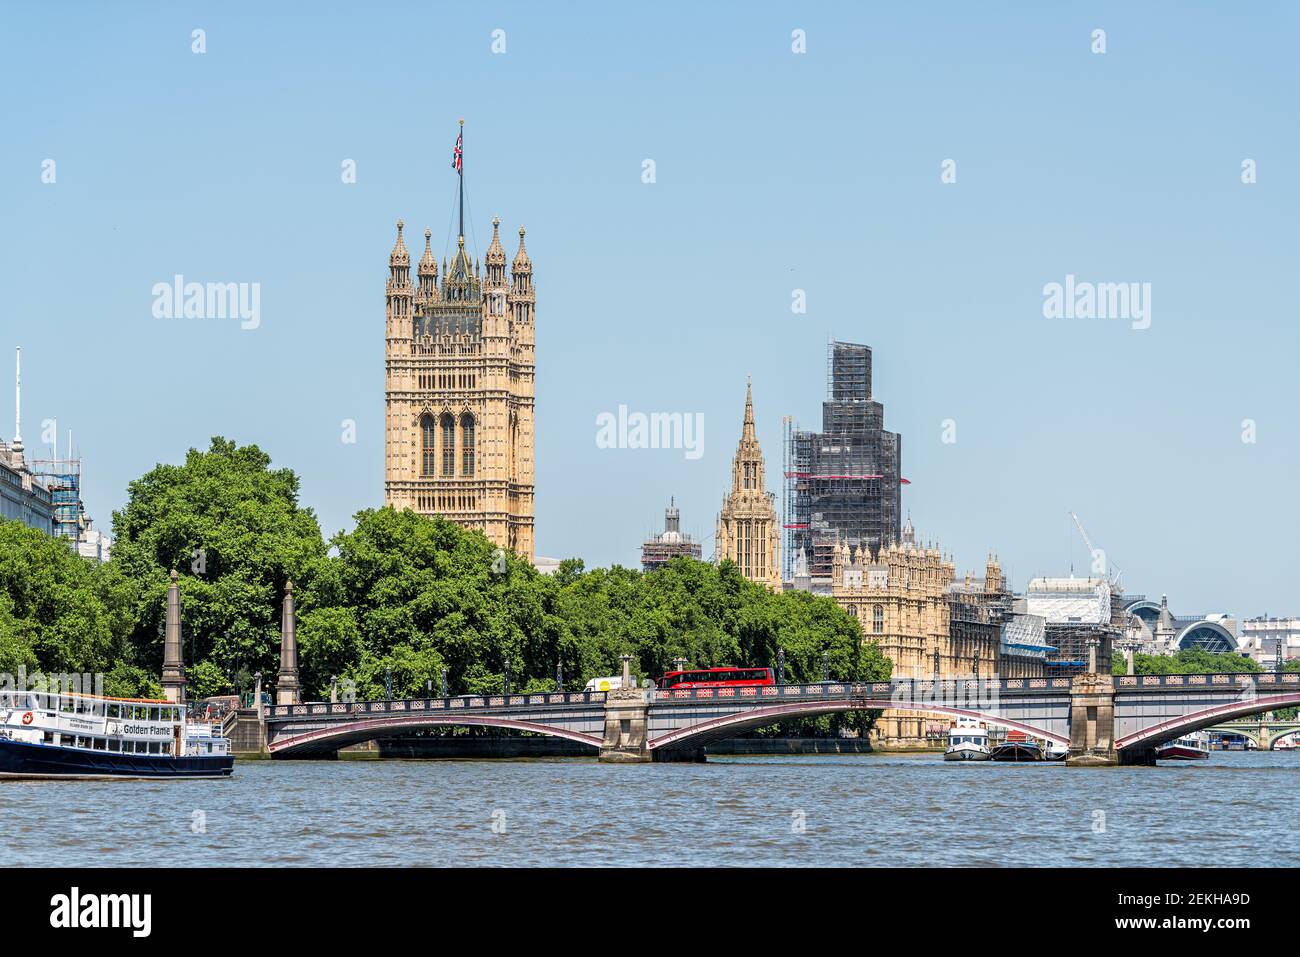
(775,171)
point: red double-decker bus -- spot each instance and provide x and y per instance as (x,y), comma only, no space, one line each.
(717,678)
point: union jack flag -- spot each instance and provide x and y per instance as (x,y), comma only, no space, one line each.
(455,155)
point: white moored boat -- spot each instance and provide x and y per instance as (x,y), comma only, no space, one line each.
(1192,747)
(45,735)
(968,740)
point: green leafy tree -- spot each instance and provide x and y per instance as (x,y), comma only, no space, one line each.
(410,595)
(58,613)
(233,527)
(1185,662)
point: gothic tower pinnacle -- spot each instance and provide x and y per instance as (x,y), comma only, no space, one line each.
(748,531)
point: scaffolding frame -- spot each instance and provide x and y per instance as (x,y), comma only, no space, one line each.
(63,478)
(842,483)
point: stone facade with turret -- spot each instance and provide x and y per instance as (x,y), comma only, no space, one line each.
(749,532)
(907,599)
(459,389)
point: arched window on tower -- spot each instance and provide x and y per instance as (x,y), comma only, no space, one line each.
(448,445)
(467,445)
(878,619)
(514,438)
(427,436)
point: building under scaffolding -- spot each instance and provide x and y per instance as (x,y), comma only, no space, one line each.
(1081,623)
(984,612)
(658,550)
(63,478)
(842,483)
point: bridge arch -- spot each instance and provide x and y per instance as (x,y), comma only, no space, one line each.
(333,737)
(1175,728)
(1274,738)
(729,725)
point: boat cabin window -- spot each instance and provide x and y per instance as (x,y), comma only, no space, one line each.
(114,744)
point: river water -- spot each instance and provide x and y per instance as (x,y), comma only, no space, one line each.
(1237,808)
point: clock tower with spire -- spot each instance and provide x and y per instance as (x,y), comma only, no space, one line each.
(748,531)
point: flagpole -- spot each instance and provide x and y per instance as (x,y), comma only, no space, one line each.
(461,173)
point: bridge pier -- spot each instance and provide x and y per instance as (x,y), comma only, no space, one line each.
(1092,722)
(626,713)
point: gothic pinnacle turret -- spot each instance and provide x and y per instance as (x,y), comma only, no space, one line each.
(496,254)
(427,271)
(522,263)
(399,256)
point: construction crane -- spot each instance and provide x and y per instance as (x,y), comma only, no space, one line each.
(1115,578)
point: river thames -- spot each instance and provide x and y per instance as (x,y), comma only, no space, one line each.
(1236,809)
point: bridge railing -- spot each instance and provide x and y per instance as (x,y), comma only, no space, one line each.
(424,705)
(909,688)
(802,692)
(906,687)
(1261,679)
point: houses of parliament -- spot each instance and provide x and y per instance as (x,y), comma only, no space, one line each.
(459,388)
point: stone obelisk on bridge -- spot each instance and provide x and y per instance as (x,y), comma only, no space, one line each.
(287,690)
(173,671)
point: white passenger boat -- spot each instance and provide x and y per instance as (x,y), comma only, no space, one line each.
(84,736)
(1192,747)
(968,740)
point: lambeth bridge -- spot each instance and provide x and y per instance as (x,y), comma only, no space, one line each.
(1101,719)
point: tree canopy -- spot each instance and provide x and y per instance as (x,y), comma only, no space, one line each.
(234,529)
(1186,662)
(60,614)
(411,595)
(398,598)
